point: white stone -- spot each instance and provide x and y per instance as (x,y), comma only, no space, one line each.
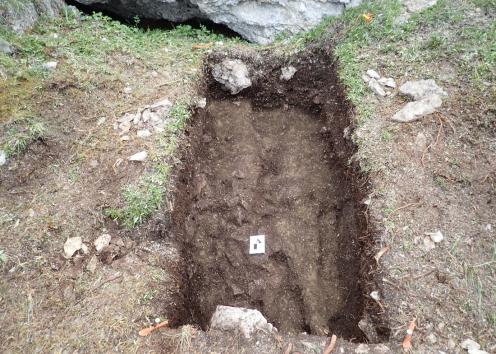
(72,245)
(388,82)
(477,351)
(128,90)
(125,138)
(435,236)
(92,264)
(139,156)
(246,321)
(3,158)
(233,74)
(102,241)
(287,73)
(145,133)
(49,66)
(127,117)
(376,87)
(420,89)
(470,344)
(375,295)
(164,102)
(373,74)
(415,110)
(418,5)
(429,245)
(201,102)
(362,349)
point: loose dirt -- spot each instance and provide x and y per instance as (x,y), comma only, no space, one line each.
(276,171)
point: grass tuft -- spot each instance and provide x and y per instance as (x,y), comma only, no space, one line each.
(20,133)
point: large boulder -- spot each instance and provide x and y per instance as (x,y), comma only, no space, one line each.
(22,15)
(257,21)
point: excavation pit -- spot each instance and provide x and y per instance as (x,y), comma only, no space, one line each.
(274,161)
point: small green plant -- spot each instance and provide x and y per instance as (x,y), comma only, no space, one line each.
(435,41)
(142,198)
(20,133)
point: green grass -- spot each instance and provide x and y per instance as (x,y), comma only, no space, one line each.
(19,134)
(143,198)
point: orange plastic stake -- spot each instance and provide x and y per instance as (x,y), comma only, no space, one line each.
(146,331)
(407,342)
(367,17)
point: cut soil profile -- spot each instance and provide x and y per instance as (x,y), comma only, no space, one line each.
(274,161)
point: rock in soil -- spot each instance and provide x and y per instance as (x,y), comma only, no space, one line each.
(287,73)
(5,47)
(3,158)
(139,156)
(420,89)
(469,344)
(72,245)
(373,74)
(388,82)
(246,321)
(102,241)
(232,74)
(413,111)
(418,5)
(92,264)
(49,66)
(376,87)
(435,236)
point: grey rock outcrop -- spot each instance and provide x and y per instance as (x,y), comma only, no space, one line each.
(257,21)
(22,15)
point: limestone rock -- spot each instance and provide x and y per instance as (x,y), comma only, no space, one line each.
(470,344)
(257,21)
(5,47)
(139,156)
(415,110)
(72,245)
(388,82)
(102,241)
(247,321)
(376,87)
(420,89)
(232,74)
(22,15)
(3,158)
(418,5)
(373,74)
(287,73)
(49,66)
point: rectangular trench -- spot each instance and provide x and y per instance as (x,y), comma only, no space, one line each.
(266,165)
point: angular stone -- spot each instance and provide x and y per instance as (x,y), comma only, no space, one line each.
(72,245)
(102,241)
(420,89)
(139,156)
(246,321)
(376,87)
(415,110)
(287,73)
(232,74)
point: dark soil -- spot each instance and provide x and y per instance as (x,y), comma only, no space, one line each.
(274,161)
